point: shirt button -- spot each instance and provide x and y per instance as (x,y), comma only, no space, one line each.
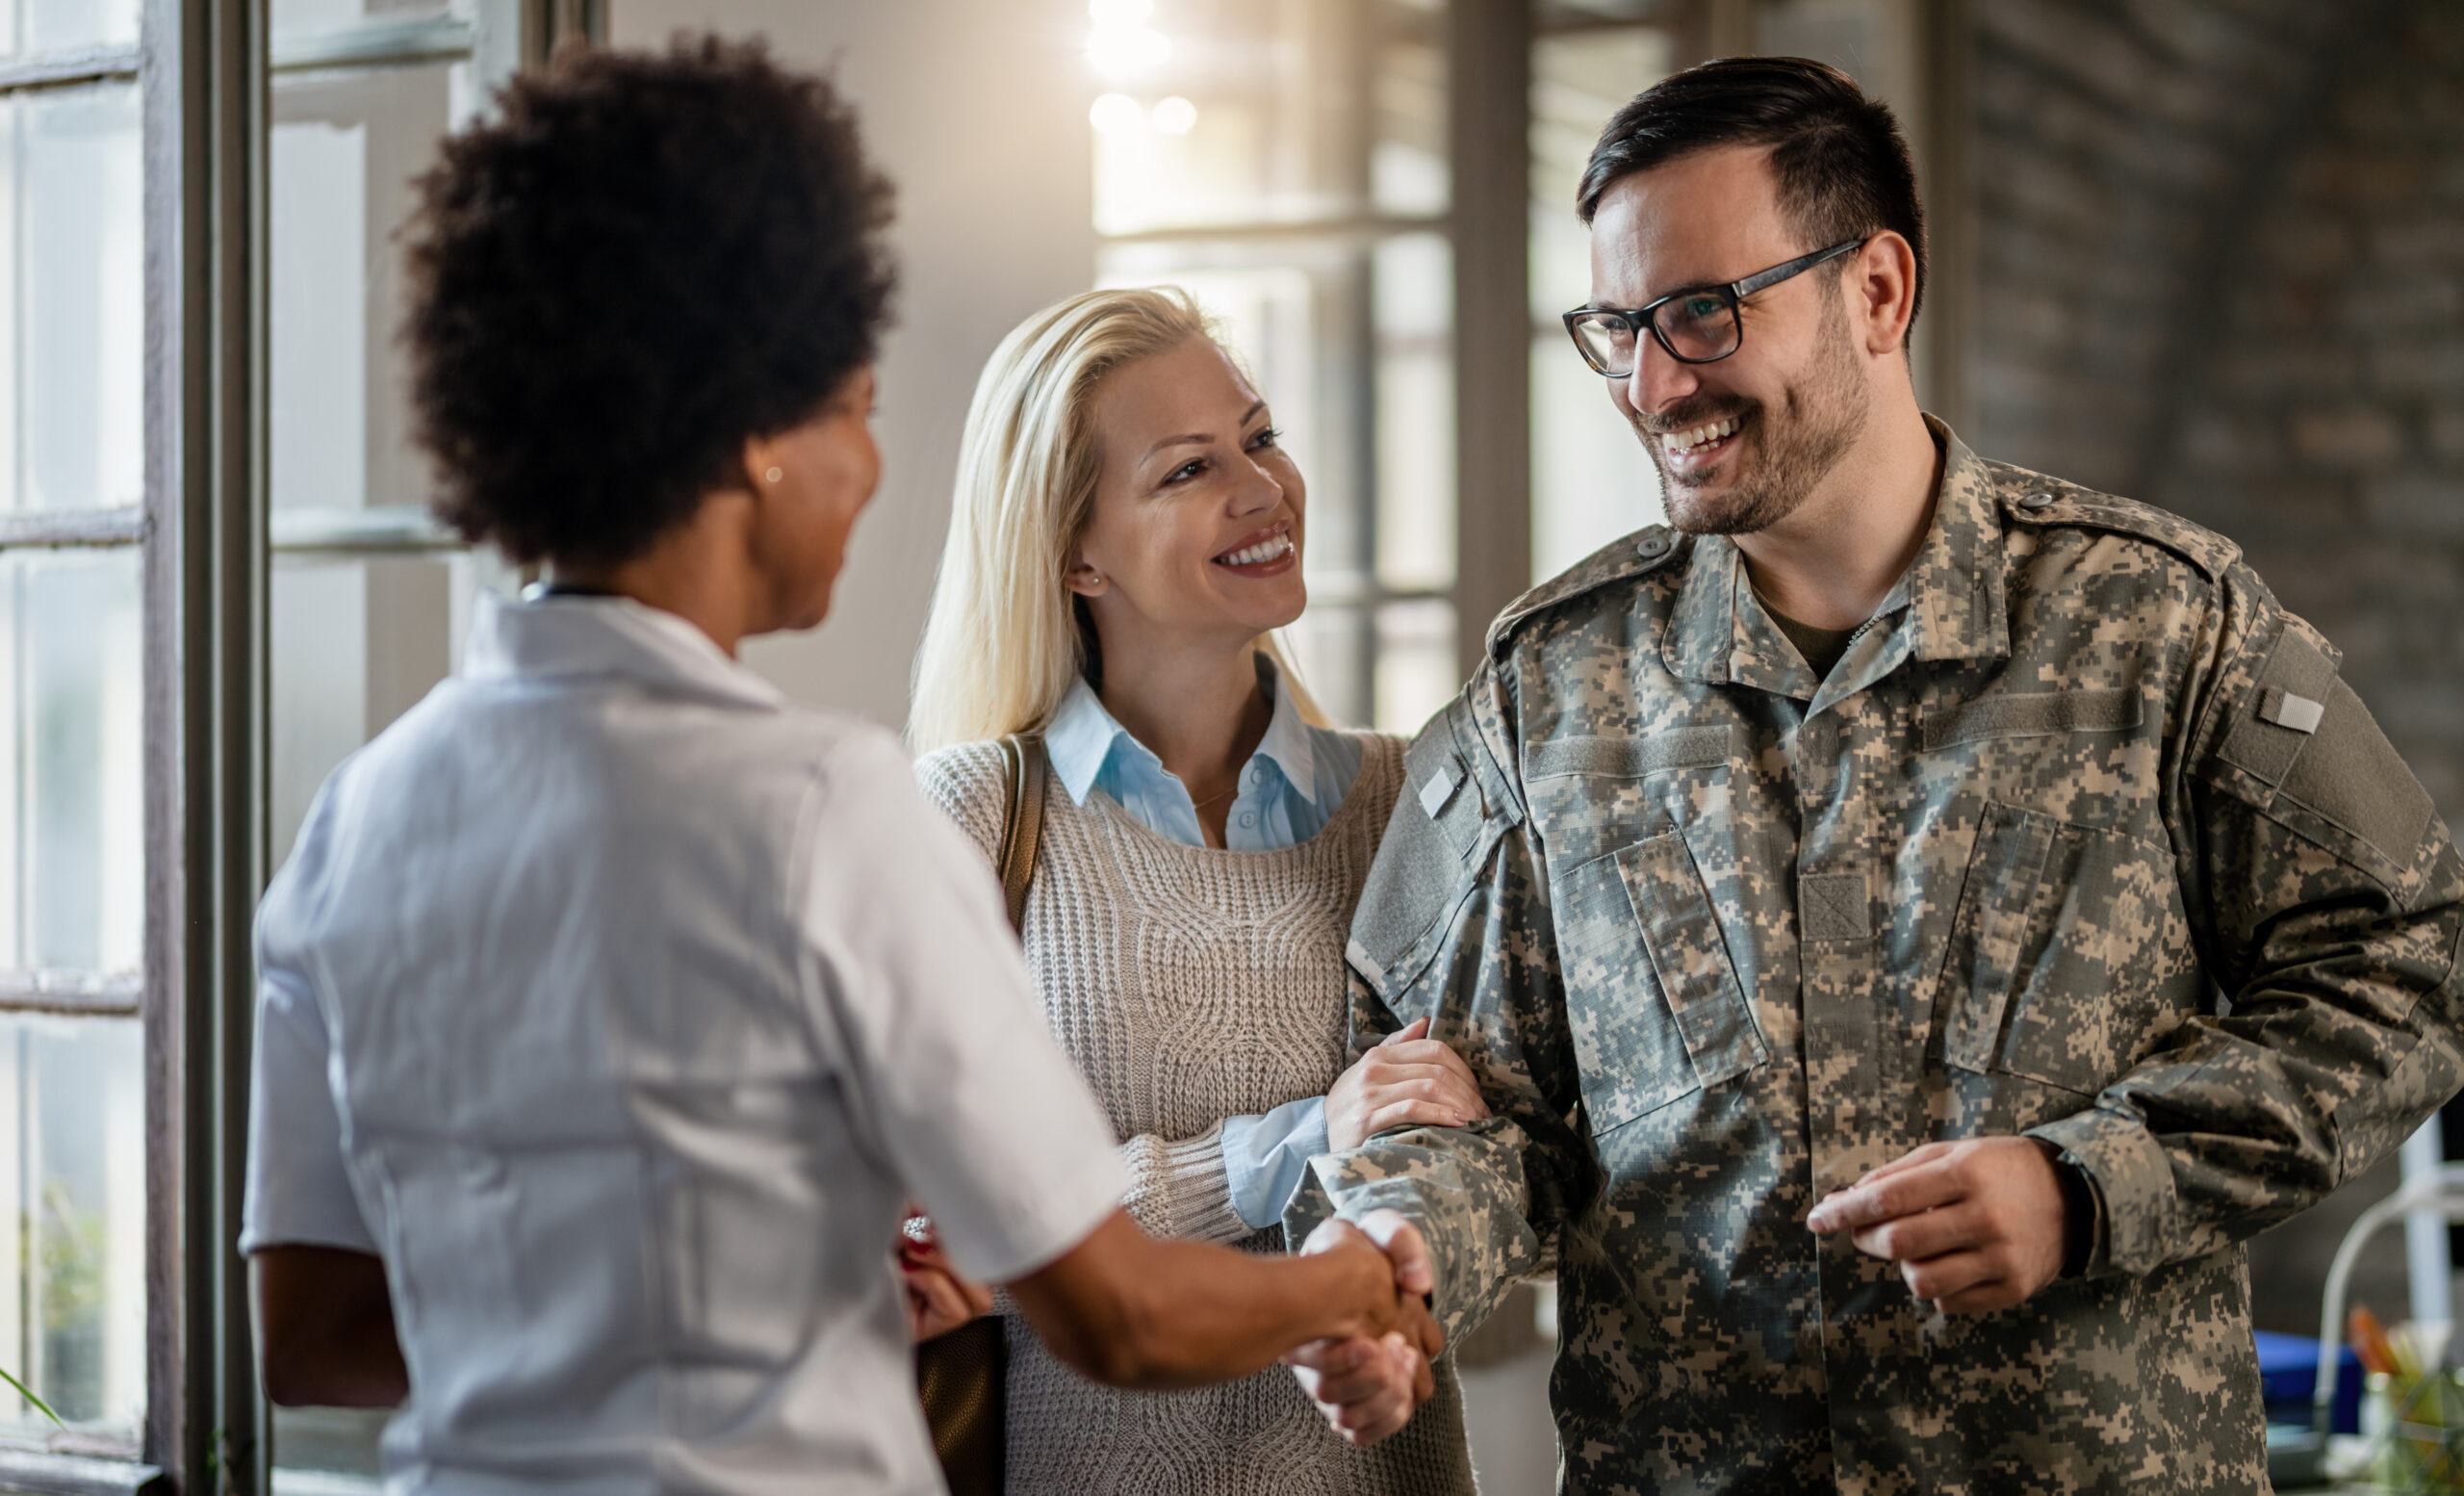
(2036,502)
(1248,818)
(1653,545)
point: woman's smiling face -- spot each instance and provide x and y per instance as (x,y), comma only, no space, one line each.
(1195,531)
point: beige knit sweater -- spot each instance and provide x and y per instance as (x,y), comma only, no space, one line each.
(1192,985)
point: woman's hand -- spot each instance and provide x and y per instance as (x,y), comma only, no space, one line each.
(937,1300)
(1408,1080)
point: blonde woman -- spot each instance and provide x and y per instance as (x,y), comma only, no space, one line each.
(1126,534)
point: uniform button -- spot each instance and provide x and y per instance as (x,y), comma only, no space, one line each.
(2036,502)
(1653,545)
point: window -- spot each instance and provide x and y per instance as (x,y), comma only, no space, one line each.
(73,858)
(1288,165)
(1591,481)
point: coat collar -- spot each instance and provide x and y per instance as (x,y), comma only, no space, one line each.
(566,638)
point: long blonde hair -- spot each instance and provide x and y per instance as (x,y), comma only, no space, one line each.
(1003,644)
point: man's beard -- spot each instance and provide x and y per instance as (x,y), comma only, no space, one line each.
(1821,416)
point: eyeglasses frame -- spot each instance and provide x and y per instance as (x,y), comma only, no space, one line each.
(1733,293)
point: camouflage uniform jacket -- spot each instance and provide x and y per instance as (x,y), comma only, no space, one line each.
(2082,837)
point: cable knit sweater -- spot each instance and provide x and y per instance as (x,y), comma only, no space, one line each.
(1192,985)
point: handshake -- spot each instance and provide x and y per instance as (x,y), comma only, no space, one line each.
(1349,1314)
(1368,1387)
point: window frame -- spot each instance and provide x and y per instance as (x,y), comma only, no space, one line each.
(123,528)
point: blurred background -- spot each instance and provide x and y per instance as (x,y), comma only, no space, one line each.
(2209,253)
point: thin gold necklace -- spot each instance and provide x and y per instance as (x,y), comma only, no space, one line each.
(1200,804)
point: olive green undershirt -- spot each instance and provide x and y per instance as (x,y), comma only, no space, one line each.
(1820,647)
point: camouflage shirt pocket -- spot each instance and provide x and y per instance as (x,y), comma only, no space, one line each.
(2070,955)
(1656,1008)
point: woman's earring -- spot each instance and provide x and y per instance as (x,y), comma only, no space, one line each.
(773,475)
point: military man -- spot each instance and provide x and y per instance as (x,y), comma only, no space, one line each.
(1912,917)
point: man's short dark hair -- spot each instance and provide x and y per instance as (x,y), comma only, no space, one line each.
(642,262)
(1843,167)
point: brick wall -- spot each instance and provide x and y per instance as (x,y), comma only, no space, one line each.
(2107,138)
(2220,266)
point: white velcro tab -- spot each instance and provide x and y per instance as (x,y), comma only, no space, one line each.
(2285,709)
(1440,787)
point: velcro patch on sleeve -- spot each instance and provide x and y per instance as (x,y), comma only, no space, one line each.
(2355,779)
(2258,743)
(2286,709)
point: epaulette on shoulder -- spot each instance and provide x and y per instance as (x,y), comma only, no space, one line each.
(1645,550)
(2030,497)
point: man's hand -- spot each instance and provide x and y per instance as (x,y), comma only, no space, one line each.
(1369,1389)
(937,1300)
(1409,1079)
(1975,1226)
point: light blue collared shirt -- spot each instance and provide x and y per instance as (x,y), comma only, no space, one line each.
(1292,786)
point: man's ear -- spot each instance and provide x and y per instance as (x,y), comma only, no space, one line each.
(1881,289)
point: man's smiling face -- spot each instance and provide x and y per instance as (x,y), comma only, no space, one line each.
(1742,442)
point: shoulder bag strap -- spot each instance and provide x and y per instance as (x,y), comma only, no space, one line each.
(1030,773)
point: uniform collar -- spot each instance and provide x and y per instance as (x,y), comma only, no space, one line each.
(1956,604)
(1952,593)
(571,637)
(1083,736)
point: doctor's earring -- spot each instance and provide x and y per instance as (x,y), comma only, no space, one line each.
(772,475)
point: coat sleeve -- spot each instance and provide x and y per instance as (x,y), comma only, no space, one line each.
(2326,901)
(1455,926)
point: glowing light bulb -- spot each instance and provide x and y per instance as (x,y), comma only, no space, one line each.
(1175,115)
(1124,51)
(1114,113)
(1119,12)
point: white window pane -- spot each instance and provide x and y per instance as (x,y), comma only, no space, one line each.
(1242,114)
(65,25)
(1578,82)
(1414,277)
(1591,481)
(1416,669)
(1335,651)
(307,16)
(327,1451)
(73,301)
(345,146)
(72,1261)
(355,644)
(71,764)
(1407,166)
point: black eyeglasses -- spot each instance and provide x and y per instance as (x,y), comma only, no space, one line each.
(1697,326)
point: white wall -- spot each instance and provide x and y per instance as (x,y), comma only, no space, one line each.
(976,109)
